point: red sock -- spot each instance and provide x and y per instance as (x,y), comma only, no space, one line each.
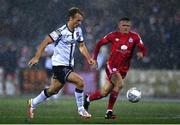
(95,96)
(112,99)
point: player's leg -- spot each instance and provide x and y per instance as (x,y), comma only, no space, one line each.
(14,81)
(46,93)
(105,89)
(103,92)
(117,81)
(54,88)
(48,81)
(4,83)
(79,93)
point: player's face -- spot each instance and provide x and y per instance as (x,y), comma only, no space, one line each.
(124,26)
(77,20)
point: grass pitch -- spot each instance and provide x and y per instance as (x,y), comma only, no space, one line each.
(64,111)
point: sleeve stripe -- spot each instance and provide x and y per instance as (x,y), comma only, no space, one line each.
(51,37)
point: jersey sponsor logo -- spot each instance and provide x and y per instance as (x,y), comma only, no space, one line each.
(124,47)
(130,40)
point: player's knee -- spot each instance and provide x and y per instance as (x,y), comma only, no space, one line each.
(104,93)
(118,86)
(55,92)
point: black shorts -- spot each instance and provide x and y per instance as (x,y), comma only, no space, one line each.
(61,73)
(49,73)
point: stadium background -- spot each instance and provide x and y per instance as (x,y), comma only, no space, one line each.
(24,23)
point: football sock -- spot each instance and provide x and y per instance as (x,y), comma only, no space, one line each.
(95,96)
(79,98)
(40,98)
(108,111)
(112,99)
(87,99)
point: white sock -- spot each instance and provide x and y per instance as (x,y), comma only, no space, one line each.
(109,110)
(38,99)
(79,99)
(88,99)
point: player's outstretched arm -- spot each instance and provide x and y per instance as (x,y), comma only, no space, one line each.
(40,50)
(85,53)
(95,65)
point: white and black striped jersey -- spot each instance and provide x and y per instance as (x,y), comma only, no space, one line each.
(65,42)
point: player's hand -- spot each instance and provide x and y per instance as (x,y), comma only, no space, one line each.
(91,61)
(139,55)
(33,61)
(94,65)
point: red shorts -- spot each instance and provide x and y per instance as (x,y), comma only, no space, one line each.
(110,71)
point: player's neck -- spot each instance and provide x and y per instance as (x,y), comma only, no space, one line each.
(123,33)
(70,26)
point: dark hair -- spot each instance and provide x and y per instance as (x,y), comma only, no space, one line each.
(72,12)
(124,19)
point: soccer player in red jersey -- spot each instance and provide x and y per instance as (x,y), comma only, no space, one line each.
(123,43)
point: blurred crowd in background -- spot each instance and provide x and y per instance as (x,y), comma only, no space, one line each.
(25,23)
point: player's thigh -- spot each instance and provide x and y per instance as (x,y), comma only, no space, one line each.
(116,79)
(107,87)
(55,85)
(75,79)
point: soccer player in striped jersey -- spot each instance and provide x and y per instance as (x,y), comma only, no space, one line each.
(123,43)
(65,39)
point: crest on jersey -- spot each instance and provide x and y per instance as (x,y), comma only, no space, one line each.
(77,34)
(130,40)
(116,39)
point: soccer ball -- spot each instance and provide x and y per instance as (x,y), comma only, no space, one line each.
(133,95)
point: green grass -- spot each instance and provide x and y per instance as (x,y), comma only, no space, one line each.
(62,111)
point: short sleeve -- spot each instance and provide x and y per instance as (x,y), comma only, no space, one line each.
(109,36)
(55,34)
(140,45)
(138,39)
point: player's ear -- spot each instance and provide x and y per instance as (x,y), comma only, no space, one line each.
(70,18)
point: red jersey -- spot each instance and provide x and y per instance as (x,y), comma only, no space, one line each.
(122,48)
